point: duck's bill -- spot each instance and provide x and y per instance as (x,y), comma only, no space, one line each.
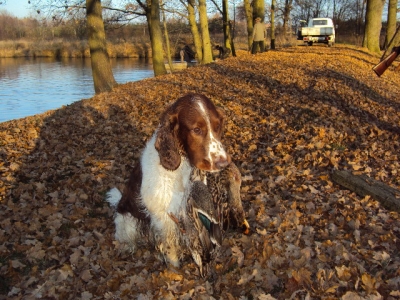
(246,227)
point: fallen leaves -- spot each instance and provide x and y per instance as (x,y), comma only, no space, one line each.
(293,115)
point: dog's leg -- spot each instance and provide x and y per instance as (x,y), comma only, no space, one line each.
(167,237)
(127,227)
(127,230)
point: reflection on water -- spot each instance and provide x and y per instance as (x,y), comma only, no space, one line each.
(30,86)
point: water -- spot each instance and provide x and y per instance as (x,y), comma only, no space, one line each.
(31,86)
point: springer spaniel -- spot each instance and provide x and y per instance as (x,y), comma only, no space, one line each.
(188,138)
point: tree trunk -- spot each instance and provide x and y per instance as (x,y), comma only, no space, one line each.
(286,15)
(363,185)
(391,23)
(166,36)
(360,10)
(232,36)
(226,27)
(249,19)
(273,24)
(259,9)
(373,25)
(205,34)
(195,30)
(103,77)
(153,20)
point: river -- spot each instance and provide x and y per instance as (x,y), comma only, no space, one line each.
(30,86)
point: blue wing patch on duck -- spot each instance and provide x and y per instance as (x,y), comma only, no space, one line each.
(201,231)
(210,209)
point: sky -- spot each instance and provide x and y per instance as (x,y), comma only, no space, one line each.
(17,8)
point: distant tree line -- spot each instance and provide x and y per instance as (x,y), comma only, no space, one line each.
(348,15)
(12,28)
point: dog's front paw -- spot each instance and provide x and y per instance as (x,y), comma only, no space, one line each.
(168,255)
(173,260)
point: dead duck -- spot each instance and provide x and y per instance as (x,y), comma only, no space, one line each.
(201,234)
(224,187)
(213,205)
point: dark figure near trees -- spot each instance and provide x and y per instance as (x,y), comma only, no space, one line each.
(187,53)
(223,51)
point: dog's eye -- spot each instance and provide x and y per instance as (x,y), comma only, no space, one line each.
(197,131)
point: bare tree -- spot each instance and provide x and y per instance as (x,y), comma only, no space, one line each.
(226,25)
(307,9)
(259,9)
(191,9)
(373,25)
(249,21)
(286,10)
(391,22)
(344,10)
(359,12)
(319,9)
(103,77)
(205,34)
(273,24)
(226,28)
(152,10)
(166,35)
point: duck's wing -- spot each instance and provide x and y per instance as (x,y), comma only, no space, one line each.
(203,232)
(225,189)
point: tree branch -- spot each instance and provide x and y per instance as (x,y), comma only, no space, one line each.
(217,6)
(363,185)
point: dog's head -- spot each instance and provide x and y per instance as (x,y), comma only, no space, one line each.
(192,127)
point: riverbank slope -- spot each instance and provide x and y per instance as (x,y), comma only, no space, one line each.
(293,115)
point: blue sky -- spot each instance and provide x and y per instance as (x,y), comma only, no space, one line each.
(17,8)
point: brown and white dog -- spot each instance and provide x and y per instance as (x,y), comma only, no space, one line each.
(188,137)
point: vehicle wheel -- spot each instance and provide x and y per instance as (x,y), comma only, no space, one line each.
(309,43)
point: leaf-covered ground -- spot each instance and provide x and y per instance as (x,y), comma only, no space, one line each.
(293,115)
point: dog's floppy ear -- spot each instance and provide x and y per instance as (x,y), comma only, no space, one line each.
(221,114)
(166,141)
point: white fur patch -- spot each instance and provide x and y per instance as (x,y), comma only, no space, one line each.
(163,192)
(126,229)
(113,196)
(126,226)
(215,148)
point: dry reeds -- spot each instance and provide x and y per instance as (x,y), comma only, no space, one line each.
(136,48)
(72,49)
(124,50)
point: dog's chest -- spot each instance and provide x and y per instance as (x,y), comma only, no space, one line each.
(162,191)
